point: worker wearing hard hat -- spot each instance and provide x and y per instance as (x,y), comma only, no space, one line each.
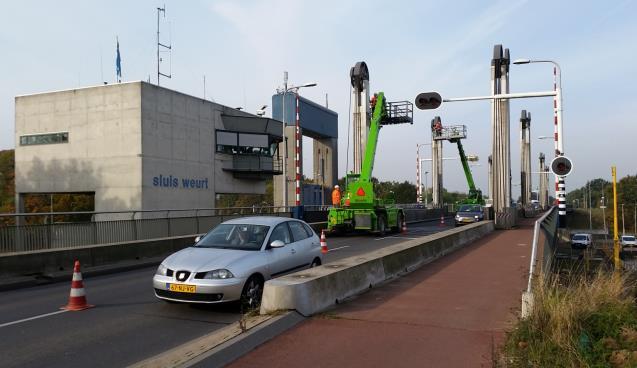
(336,196)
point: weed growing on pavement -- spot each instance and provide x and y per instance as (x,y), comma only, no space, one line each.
(578,320)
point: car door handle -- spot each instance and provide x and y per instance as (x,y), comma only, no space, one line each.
(293,251)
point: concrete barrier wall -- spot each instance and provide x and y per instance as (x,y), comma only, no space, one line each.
(421,214)
(412,215)
(44,262)
(314,290)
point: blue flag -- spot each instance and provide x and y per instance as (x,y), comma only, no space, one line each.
(118,63)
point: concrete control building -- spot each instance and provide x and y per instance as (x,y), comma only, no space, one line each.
(140,146)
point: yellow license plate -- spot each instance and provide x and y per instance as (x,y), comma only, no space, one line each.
(182,288)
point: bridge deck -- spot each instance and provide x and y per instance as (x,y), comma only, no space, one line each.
(446,314)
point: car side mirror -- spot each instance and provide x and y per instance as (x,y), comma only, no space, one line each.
(197,239)
(277,244)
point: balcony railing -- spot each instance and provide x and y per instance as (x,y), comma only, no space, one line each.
(255,165)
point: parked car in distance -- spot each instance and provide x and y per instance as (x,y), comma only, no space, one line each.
(234,259)
(468,214)
(581,241)
(628,242)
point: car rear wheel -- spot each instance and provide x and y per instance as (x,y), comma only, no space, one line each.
(252,293)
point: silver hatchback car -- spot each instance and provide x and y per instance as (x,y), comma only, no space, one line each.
(233,260)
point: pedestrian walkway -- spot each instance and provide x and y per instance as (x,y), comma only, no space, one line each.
(450,313)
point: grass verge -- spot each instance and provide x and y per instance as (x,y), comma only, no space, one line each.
(579,320)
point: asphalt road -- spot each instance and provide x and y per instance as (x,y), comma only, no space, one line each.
(128,323)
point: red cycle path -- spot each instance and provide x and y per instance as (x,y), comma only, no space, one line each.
(450,313)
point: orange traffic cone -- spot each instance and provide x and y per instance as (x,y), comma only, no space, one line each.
(404,229)
(324,249)
(442,220)
(77,298)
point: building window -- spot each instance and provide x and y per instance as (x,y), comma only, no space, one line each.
(48,138)
(245,143)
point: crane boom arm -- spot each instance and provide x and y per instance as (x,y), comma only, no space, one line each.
(372,138)
(465,166)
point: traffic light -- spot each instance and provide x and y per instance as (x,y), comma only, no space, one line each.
(428,100)
(561,166)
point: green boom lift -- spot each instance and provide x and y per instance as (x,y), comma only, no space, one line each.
(360,209)
(455,134)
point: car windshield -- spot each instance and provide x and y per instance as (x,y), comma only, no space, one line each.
(628,238)
(469,208)
(579,237)
(235,236)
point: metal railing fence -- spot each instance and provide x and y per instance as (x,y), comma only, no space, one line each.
(58,230)
(41,231)
(546,239)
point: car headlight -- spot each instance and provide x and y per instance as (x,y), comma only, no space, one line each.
(218,274)
(161,270)
(477,217)
(457,217)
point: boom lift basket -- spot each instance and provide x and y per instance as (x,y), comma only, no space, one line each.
(399,112)
(450,132)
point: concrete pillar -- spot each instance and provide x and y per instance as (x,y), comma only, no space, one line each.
(436,169)
(525,158)
(490,161)
(361,118)
(290,133)
(546,186)
(542,193)
(500,133)
(325,158)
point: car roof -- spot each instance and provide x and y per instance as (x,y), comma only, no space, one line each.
(259,220)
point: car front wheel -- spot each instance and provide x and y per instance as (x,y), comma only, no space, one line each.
(252,293)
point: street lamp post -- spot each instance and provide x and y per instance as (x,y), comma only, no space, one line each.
(560,186)
(295,90)
(602,205)
(418,171)
(590,209)
(472,158)
(427,172)
(623,225)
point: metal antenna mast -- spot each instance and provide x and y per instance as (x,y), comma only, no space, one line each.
(159,44)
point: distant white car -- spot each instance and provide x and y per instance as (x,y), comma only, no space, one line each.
(581,241)
(628,241)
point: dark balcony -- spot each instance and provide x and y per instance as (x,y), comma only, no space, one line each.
(254,166)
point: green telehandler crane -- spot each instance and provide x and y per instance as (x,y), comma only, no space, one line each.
(359,208)
(455,134)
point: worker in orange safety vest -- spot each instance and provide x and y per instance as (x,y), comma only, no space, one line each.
(336,196)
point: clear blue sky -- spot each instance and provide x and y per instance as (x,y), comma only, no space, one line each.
(243,47)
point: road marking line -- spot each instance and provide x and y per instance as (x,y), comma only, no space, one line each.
(32,318)
(337,248)
(396,237)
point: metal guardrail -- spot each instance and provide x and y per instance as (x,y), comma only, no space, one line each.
(548,224)
(46,230)
(59,230)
